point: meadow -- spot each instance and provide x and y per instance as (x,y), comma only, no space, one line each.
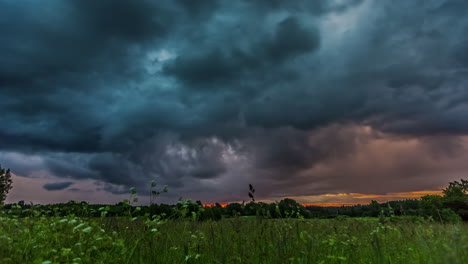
(429,231)
(72,239)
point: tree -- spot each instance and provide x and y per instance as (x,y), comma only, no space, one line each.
(289,208)
(234,209)
(456,198)
(5,184)
(456,189)
(431,205)
(375,208)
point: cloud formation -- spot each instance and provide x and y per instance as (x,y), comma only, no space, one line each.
(299,97)
(57,186)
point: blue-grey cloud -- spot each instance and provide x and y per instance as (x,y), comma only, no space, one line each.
(57,186)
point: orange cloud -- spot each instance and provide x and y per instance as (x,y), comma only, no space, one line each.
(349,199)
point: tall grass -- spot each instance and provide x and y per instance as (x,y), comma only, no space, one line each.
(233,240)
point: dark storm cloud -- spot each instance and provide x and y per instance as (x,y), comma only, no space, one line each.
(57,52)
(318,7)
(289,40)
(206,94)
(167,158)
(57,186)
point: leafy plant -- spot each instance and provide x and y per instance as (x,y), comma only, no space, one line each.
(251,192)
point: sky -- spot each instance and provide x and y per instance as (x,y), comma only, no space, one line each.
(325,101)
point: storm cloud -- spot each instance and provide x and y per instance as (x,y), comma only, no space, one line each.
(56,186)
(209,96)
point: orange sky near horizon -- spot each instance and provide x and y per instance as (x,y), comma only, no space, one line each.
(349,199)
(357,198)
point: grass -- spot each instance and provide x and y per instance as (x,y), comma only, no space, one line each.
(234,240)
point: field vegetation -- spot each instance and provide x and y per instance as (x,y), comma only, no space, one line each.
(72,239)
(429,230)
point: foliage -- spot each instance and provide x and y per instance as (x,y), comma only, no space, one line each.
(236,240)
(251,192)
(451,207)
(432,207)
(456,198)
(5,183)
(456,189)
(187,232)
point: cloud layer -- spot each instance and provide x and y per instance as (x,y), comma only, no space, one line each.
(57,186)
(302,98)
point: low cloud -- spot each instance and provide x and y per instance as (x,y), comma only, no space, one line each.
(57,186)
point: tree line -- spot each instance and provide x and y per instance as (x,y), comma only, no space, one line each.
(452,206)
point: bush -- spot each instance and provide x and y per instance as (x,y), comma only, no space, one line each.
(407,219)
(449,216)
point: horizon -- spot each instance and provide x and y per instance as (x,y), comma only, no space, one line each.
(325,102)
(326,200)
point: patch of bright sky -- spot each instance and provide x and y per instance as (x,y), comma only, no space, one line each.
(155,60)
(338,29)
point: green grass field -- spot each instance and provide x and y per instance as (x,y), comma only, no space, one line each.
(232,240)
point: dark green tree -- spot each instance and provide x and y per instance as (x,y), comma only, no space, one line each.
(289,208)
(457,189)
(374,209)
(5,183)
(431,205)
(234,209)
(456,198)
